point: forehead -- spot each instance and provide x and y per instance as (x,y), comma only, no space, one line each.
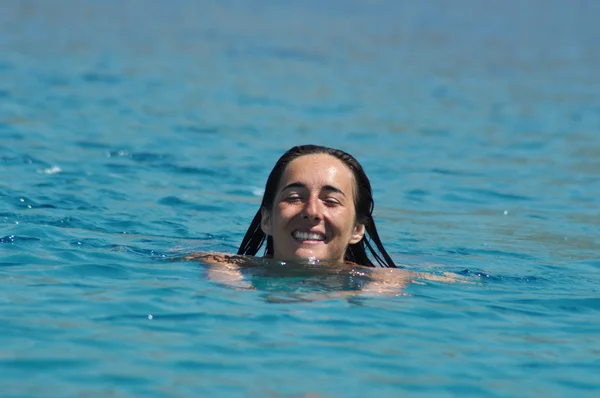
(318,169)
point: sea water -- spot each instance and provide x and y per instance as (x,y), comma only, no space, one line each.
(134,133)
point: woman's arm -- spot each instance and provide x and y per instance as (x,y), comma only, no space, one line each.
(223,268)
(392,281)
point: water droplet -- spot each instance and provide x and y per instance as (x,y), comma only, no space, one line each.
(29,206)
(150,316)
(505,212)
(21,200)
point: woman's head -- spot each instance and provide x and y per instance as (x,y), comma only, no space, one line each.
(317,204)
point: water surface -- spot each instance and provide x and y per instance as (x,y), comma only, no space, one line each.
(134,133)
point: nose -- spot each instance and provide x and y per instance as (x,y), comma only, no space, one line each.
(312,209)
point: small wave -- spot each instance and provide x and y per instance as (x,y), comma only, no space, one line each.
(15,238)
(104,78)
(174,201)
(579,304)
(485,276)
(497,253)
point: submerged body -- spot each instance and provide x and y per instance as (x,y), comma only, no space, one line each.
(317,208)
(236,271)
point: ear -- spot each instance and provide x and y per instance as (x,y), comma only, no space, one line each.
(265,221)
(358,233)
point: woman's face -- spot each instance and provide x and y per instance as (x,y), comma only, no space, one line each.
(313,214)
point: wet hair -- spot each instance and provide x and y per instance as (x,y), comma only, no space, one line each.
(363,203)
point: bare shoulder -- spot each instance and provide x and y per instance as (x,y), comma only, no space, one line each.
(210,258)
(222,259)
(225,268)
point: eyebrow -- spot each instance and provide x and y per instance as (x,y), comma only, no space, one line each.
(330,188)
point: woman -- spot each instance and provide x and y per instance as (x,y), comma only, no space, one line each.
(317,207)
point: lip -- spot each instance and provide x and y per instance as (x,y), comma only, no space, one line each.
(309,241)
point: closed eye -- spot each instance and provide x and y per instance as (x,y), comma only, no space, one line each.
(293,198)
(332,202)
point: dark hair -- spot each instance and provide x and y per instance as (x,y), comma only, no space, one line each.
(364,204)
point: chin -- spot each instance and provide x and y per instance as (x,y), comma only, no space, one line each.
(310,255)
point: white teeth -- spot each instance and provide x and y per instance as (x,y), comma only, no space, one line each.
(307,236)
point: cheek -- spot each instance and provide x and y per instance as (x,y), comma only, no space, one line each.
(288,210)
(344,218)
(283,212)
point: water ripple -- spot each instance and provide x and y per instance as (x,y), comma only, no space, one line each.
(174,201)
(14,238)
(124,149)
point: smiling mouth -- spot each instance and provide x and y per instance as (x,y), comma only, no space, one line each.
(308,236)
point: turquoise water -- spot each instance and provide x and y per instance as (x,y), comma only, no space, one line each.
(134,133)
